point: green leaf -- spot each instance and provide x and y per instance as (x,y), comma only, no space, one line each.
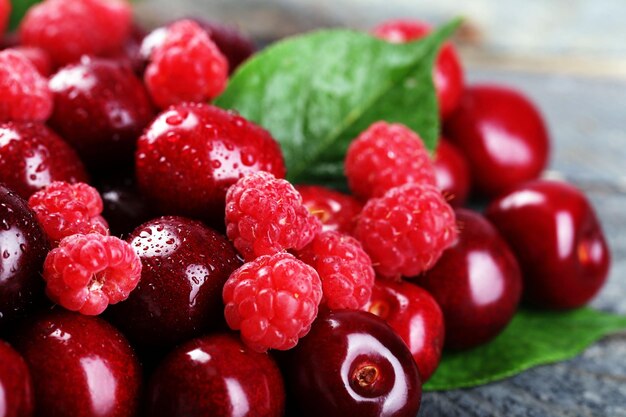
(18,10)
(317,92)
(533,338)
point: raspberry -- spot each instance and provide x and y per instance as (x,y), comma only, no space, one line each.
(66,209)
(24,93)
(37,57)
(186,66)
(336,211)
(5,12)
(273,301)
(344,268)
(406,230)
(85,273)
(265,215)
(68,29)
(386,156)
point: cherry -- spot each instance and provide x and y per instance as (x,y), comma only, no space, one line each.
(185,265)
(477,282)
(352,364)
(216,376)
(554,232)
(502,135)
(15,384)
(337,211)
(452,173)
(24,247)
(80,365)
(415,316)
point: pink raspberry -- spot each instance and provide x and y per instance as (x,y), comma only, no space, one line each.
(37,56)
(185,66)
(337,211)
(88,272)
(406,230)
(265,215)
(344,268)
(65,209)
(5,12)
(24,93)
(386,156)
(273,301)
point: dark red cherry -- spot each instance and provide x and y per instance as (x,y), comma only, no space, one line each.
(216,376)
(337,211)
(23,249)
(554,232)
(502,135)
(15,384)
(415,316)
(452,173)
(32,156)
(81,366)
(179,296)
(477,283)
(352,364)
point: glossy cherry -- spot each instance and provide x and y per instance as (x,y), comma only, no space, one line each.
(477,283)
(502,135)
(415,316)
(337,211)
(81,366)
(216,376)
(452,173)
(352,364)
(15,384)
(24,247)
(179,296)
(554,232)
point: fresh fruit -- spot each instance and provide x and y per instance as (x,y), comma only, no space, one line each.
(477,283)
(337,211)
(179,296)
(216,376)
(37,57)
(502,135)
(352,364)
(191,153)
(24,247)
(554,232)
(415,316)
(5,13)
(272,300)
(405,231)
(32,157)
(452,173)
(80,366)
(15,384)
(123,206)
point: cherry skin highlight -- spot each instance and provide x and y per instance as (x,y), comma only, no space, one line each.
(15,384)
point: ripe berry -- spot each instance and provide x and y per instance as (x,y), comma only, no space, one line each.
(15,383)
(406,230)
(5,13)
(191,153)
(386,156)
(24,94)
(447,74)
(185,66)
(123,206)
(65,209)
(37,57)
(554,232)
(86,273)
(216,376)
(272,300)
(344,268)
(265,215)
(452,173)
(502,135)
(337,211)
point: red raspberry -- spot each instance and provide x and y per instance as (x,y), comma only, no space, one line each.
(186,66)
(406,230)
(37,56)
(265,215)
(88,272)
(273,301)
(24,93)
(68,29)
(5,12)
(67,209)
(337,211)
(344,268)
(387,156)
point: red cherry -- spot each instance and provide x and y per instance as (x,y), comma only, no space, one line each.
(502,135)
(554,232)
(477,283)
(337,211)
(452,173)
(216,376)
(416,318)
(15,384)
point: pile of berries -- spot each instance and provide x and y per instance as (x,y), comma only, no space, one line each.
(156,262)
